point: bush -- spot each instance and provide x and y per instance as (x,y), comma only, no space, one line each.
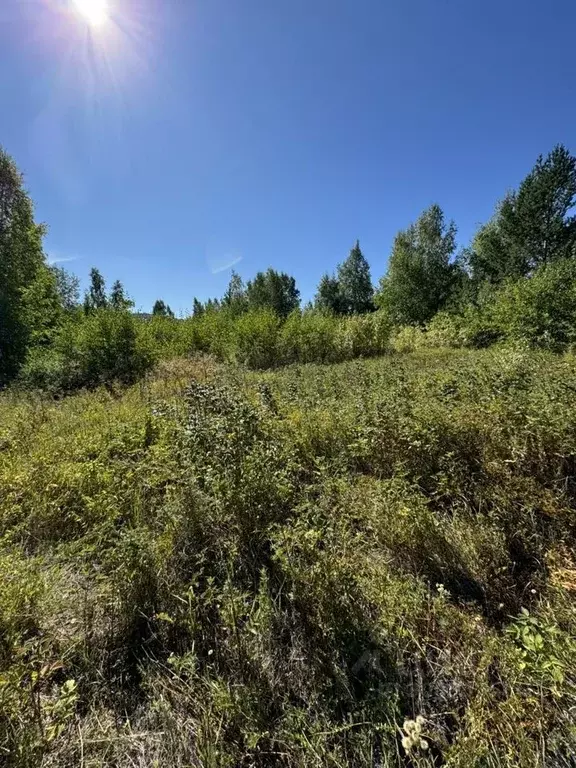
(540,309)
(96,349)
(408,338)
(447,330)
(255,338)
(105,347)
(366,335)
(211,333)
(167,336)
(309,336)
(44,368)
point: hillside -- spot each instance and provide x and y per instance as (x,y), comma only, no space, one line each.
(362,564)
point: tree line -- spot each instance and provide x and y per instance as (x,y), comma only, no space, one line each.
(528,247)
(531,227)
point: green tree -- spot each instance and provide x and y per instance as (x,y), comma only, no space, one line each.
(235,300)
(197,308)
(533,225)
(540,310)
(118,298)
(328,297)
(44,309)
(21,257)
(68,288)
(212,305)
(95,296)
(162,309)
(421,276)
(354,284)
(273,290)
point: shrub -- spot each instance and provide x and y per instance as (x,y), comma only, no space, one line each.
(540,309)
(167,336)
(255,338)
(447,330)
(46,369)
(212,332)
(407,338)
(309,336)
(105,347)
(102,347)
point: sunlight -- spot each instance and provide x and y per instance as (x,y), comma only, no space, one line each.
(95,12)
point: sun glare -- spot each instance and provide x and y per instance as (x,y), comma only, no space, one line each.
(95,12)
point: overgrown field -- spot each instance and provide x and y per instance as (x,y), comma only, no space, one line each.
(363,564)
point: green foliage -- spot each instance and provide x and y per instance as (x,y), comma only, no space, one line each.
(197,308)
(351,291)
(421,277)
(309,337)
(354,284)
(67,287)
(273,290)
(328,298)
(533,226)
(20,259)
(102,347)
(256,338)
(43,306)
(161,309)
(95,296)
(118,299)
(541,310)
(235,299)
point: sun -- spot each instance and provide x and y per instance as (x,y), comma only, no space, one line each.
(95,12)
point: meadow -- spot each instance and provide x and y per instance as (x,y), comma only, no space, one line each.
(368,563)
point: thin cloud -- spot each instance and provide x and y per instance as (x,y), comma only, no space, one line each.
(61,259)
(228,265)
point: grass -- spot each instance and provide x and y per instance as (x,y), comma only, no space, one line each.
(363,564)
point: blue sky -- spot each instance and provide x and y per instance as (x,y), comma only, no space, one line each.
(184,135)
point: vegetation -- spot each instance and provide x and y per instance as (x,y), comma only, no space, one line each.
(515,282)
(348,565)
(351,291)
(267,535)
(20,261)
(162,309)
(421,276)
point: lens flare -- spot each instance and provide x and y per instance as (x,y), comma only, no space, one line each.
(95,12)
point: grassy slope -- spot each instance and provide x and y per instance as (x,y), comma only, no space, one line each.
(218,568)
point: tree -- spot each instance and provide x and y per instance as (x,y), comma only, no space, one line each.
(212,305)
(274,290)
(420,276)
(95,296)
(533,225)
(161,309)
(44,309)
(235,300)
(21,257)
(354,284)
(68,288)
(118,298)
(197,308)
(328,296)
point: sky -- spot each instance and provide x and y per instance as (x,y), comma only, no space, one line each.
(180,139)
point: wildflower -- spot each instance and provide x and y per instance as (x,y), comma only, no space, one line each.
(413,734)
